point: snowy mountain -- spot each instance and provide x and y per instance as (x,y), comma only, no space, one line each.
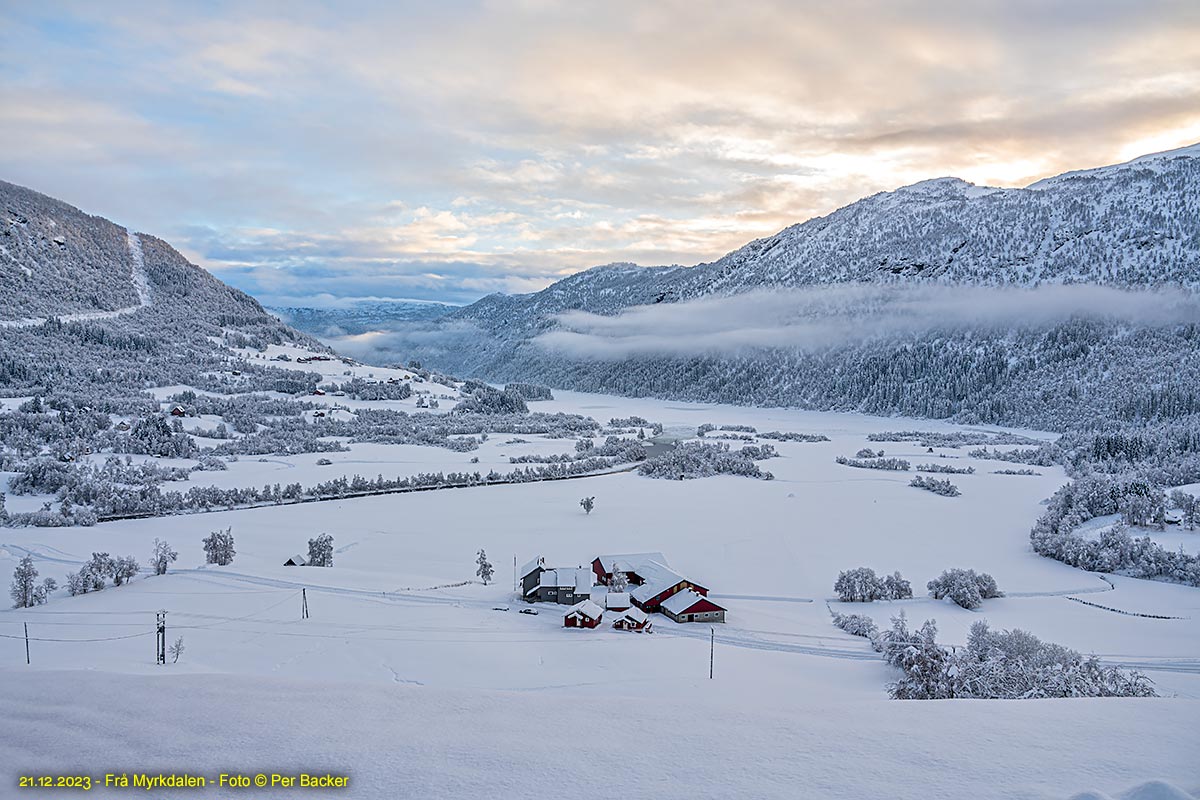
(361,317)
(1132,226)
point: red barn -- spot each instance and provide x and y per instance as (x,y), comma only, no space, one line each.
(604,566)
(687,606)
(585,614)
(660,583)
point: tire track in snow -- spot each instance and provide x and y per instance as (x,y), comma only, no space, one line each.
(746,640)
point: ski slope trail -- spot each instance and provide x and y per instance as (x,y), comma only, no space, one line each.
(141,285)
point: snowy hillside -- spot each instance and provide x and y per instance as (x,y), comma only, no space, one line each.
(89,307)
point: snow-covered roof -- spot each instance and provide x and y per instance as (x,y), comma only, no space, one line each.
(578,579)
(616,600)
(629,562)
(681,601)
(587,608)
(657,577)
(635,615)
(298,560)
(532,565)
(584,577)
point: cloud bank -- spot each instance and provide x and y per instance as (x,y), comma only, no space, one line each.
(445,151)
(825,317)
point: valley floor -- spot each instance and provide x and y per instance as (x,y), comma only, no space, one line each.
(420,691)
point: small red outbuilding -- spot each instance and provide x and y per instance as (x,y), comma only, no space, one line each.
(585,614)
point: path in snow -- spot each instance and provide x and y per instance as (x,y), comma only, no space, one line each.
(141,284)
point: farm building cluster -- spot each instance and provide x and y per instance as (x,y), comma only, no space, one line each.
(625,588)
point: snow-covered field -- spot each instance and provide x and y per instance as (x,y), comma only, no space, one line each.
(416,691)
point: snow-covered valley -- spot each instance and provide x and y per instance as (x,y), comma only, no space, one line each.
(414,690)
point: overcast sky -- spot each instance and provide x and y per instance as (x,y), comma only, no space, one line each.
(316,152)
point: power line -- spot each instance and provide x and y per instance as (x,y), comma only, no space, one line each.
(106,639)
(228,620)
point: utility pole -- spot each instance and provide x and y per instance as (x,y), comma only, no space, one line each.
(712,645)
(161,620)
(26,642)
(303,603)
(514,572)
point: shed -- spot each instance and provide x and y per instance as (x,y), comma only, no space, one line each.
(633,619)
(296,561)
(585,614)
(178,411)
(687,606)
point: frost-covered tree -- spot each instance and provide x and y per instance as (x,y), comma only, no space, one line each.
(24,583)
(895,464)
(896,587)
(123,569)
(856,625)
(320,551)
(1008,665)
(218,547)
(176,650)
(42,592)
(588,503)
(162,556)
(942,487)
(858,585)
(965,587)
(619,581)
(484,568)
(1140,509)
(700,459)
(77,583)
(1188,505)
(99,568)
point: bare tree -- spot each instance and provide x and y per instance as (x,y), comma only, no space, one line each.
(162,557)
(176,650)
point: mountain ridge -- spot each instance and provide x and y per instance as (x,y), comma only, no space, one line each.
(1064,244)
(1130,226)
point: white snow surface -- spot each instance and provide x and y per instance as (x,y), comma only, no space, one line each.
(418,681)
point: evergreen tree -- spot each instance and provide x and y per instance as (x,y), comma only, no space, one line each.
(485,570)
(588,504)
